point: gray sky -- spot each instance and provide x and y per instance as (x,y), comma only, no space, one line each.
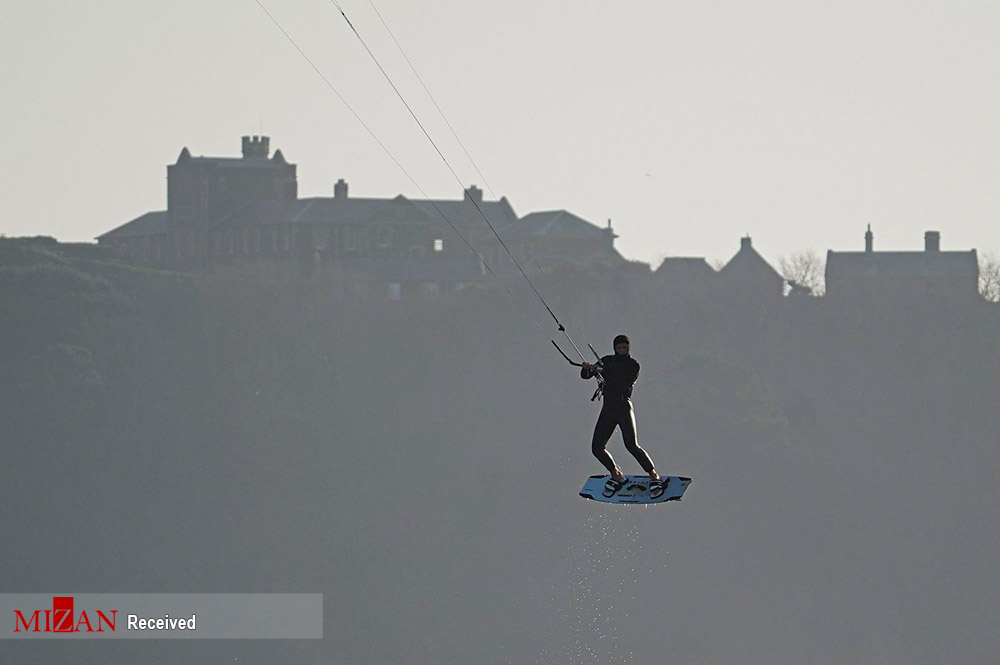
(688,124)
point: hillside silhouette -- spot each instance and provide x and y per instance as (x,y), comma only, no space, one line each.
(417,462)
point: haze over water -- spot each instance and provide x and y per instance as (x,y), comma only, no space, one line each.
(418,464)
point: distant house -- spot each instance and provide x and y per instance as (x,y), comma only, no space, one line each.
(558,236)
(685,276)
(894,275)
(234,210)
(748,275)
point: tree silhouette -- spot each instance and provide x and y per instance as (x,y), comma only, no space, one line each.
(989,277)
(804,273)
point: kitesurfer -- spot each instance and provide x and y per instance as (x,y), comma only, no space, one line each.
(619,372)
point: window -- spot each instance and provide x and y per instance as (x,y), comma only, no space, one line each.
(384,236)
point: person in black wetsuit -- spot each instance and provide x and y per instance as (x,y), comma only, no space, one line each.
(619,372)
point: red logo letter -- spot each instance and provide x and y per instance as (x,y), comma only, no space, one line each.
(111,624)
(34,619)
(62,614)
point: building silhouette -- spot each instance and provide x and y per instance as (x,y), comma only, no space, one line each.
(747,276)
(896,275)
(246,210)
(237,210)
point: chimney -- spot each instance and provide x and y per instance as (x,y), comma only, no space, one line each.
(256,146)
(932,241)
(340,189)
(868,239)
(474,194)
(744,243)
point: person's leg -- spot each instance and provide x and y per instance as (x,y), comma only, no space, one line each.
(603,430)
(656,484)
(627,423)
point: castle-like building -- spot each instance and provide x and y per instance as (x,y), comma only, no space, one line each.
(223,210)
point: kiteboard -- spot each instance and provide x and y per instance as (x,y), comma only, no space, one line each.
(636,490)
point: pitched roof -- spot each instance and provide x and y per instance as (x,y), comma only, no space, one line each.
(353,210)
(559,223)
(588,242)
(748,260)
(463,212)
(320,210)
(149,224)
(685,267)
(902,264)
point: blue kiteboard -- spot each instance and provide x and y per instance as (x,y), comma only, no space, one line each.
(636,490)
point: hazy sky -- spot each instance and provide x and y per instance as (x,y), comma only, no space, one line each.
(689,124)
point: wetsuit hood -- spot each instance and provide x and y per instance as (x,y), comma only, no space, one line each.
(621,339)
